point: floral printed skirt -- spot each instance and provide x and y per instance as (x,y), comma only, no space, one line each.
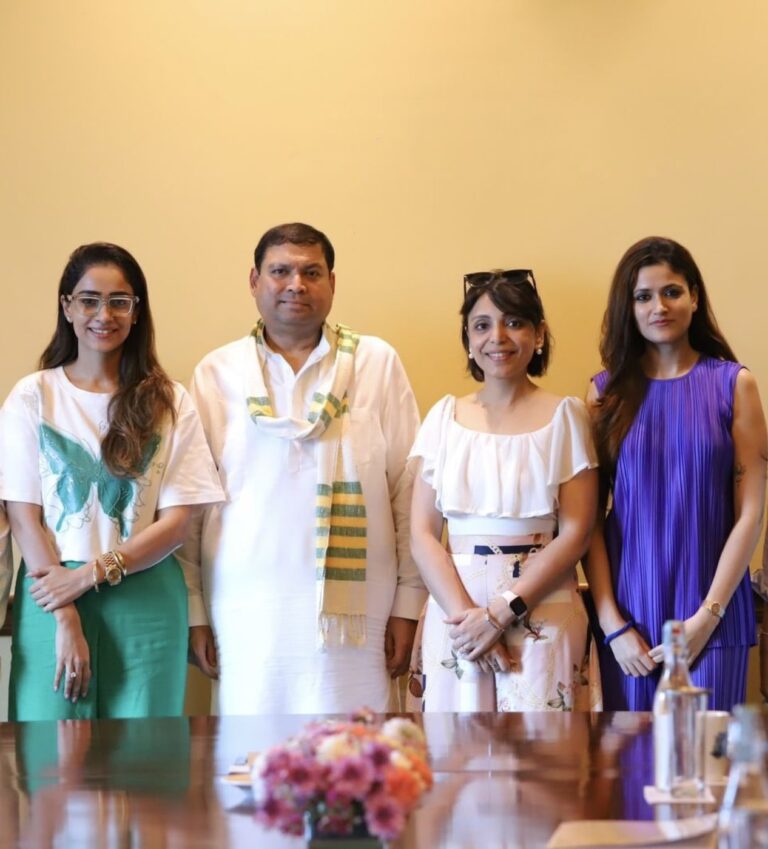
(554,668)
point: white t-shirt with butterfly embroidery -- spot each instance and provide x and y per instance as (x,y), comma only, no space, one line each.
(50,454)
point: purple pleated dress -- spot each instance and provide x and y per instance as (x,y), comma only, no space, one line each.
(672,513)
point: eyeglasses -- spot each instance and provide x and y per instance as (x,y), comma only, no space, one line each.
(515,276)
(90,305)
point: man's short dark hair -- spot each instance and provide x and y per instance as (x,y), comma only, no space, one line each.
(295,234)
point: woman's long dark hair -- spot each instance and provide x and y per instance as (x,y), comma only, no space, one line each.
(145,396)
(622,346)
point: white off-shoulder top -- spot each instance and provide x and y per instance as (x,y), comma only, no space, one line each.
(501,484)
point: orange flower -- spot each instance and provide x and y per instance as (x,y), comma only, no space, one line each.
(421,768)
(402,786)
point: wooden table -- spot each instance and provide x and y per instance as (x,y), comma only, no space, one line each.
(502,780)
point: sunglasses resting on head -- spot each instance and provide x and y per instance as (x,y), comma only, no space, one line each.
(477,279)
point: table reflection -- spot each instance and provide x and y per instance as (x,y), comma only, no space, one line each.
(520,775)
(107,783)
(500,779)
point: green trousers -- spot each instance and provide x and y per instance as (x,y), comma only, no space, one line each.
(137,635)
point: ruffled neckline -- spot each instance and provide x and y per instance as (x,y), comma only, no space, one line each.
(550,424)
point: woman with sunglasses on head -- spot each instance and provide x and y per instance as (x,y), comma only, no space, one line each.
(682,443)
(103,463)
(505,467)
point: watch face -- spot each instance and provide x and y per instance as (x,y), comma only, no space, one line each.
(112,575)
(518,606)
(716,608)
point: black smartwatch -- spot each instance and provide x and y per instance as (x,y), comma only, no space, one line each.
(516,604)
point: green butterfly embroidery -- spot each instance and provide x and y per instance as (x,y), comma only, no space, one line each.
(77,471)
(453,663)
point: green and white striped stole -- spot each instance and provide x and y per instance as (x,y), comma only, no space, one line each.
(340,514)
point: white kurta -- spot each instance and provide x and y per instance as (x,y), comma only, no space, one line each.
(258,550)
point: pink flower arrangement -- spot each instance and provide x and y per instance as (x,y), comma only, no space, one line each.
(343,776)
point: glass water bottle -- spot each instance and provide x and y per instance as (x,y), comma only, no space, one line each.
(675,706)
(743,820)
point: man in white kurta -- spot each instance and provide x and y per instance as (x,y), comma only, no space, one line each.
(258,550)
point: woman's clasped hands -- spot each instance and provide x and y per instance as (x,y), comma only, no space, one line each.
(476,637)
(60,586)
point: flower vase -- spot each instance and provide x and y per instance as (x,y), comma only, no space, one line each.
(358,838)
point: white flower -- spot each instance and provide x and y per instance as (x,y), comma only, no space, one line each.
(398,759)
(404,732)
(334,748)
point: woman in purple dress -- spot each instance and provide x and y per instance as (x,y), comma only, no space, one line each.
(682,443)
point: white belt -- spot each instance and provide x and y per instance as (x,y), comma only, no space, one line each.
(555,597)
(506,527)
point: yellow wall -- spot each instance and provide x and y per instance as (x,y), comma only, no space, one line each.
(428,138)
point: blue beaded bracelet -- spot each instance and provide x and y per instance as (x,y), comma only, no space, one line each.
(623,630)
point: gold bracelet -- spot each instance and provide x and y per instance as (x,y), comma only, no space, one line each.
(120,557)
(96,574)
(491,619)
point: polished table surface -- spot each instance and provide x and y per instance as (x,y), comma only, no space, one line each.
(501,780)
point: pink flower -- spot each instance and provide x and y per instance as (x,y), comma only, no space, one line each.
(384,817)
(275,761)
(302,774)
(352,776)
(294,824)
(336,799)
(274,813)
(378,756)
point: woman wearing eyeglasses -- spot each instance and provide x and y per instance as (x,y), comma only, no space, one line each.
(103,461)
(682,442)
(504,468)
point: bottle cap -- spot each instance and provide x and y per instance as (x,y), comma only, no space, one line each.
(673,633)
